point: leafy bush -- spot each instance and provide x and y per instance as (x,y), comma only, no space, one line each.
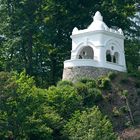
(90,95)
(64,83)
(89,125)
(124,93)
(90,83)
(23,114)
(116,112)
(112,75)
(81,89)
(94,95)
(124,109)
(104,83)
(85,80)
(108,97)
(65,100)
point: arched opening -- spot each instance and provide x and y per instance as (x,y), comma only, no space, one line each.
(108,56)
(116,57)
(86,53)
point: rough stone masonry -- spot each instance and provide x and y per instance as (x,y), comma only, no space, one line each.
(75,73)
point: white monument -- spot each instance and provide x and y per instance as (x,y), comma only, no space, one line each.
(97,46)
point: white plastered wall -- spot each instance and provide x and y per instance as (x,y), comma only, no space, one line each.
(100,40)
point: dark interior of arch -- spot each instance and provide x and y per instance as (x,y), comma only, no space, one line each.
(86,53)
(108,56)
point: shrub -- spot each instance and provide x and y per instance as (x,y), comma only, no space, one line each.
(104,83)
(64,83)
(86,80)
(116,112)
(89,95)
(91,84)
(81,89)
(124,109)
(21,109)
(89,125)
(65,100)
(112,75)
(124,93)
(107,97)
(94,95)
(128,124)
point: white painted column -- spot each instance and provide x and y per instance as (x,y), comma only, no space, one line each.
(101,55)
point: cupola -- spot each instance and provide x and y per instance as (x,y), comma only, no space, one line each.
(97,48)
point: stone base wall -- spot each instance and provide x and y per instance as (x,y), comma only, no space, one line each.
(75,73)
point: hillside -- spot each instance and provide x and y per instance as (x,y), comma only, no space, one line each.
(121,103)
(88,109)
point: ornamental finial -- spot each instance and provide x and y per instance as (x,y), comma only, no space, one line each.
(98,16)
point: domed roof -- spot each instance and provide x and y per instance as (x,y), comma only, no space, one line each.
(98,23)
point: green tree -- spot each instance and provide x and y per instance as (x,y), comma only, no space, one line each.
(89,92)
(89,125)
(23,110)
(37,33)
(23,46)
(64,99)
(132,54)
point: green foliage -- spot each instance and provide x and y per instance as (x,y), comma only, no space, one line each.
(89,125)
(81,89)
(124,109)
(112,75)
(128,124)
(116,112)
(132,55)
(27,112)
(64,99)
(135,74)
(108,97)
(89,93)
(94,95)
(43,123)
(35,35)
(86,80)
(104,83)
(23,112)
(64,83)
(124,93)
(90,83)
(65,111)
